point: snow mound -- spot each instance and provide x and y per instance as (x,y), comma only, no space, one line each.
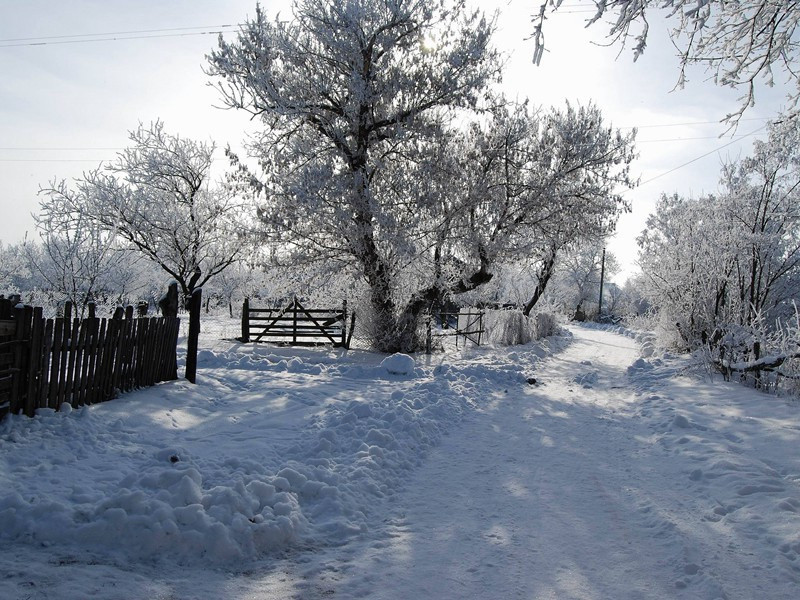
(399,364)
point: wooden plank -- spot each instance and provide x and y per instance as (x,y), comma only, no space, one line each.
(35,349)
(44,383)
(88,332)
(114,339)
(119,363)
(151,366)
(173,344)
(166,359)
(64,352)
(69,376)
(23,315)
(315,333)
(254,312)
(141,338)
(78,351)
(96,365)
(288,318)
(104,356)
(55,363)
(125,344)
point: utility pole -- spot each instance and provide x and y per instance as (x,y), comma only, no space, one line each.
(602,276)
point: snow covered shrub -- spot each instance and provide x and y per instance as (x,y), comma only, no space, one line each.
(511,327)
(545,324)
(508,327)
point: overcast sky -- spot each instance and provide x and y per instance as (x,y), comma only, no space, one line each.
(78,75)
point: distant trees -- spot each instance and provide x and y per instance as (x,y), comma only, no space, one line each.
(737,42)
(76,259)
(368,158)
(157,198)
(577,281)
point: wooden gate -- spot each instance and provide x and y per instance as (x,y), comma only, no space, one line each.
(296,325)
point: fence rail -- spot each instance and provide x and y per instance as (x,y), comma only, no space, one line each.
(46,362)
(296,325)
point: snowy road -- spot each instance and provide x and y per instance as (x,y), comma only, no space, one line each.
(563,492)
(317,474)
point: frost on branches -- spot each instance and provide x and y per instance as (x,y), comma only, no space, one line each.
(738,43)
(157,197)
(724,270)
(367,157)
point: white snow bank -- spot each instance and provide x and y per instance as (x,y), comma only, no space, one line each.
(268,450)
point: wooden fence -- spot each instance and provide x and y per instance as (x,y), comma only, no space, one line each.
(46,362)
(296,325)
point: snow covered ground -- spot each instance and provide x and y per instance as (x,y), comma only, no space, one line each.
(321,473)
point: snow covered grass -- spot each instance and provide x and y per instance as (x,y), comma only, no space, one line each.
(305,473)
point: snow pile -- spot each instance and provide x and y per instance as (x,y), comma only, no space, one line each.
(399,364)
(268,451)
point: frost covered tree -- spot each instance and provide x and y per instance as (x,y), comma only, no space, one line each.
(368,159)
(730,261)
(157,197)
(540,181)
(736,42)
(15,275)
(350,94)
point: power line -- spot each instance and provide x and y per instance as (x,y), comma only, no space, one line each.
(111,39)
(687,123)
(134,32)
(688,139)
(686,164)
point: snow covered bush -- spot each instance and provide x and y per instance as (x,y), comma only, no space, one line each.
(512,327)
(545,325)
(508,327)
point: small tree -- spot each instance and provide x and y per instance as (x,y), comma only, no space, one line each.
(157,197)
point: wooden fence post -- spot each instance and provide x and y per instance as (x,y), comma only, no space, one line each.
(344,324)
(195,306)
(246,321)
(428,335)
(34,362)
(294,321)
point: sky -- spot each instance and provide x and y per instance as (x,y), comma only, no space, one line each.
(79,75)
